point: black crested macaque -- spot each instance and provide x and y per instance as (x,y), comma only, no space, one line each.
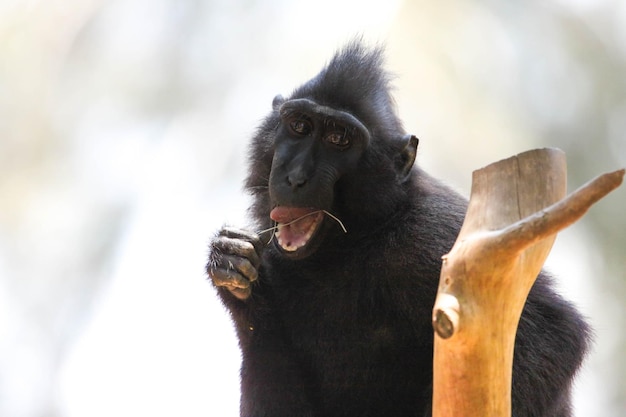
(332,293)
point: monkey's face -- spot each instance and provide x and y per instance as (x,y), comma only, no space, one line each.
(314,147)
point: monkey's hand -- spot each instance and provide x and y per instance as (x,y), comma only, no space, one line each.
(234,260)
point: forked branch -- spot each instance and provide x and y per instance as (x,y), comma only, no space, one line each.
(516,208)
(558,216)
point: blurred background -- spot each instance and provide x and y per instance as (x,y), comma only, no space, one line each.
(123,134)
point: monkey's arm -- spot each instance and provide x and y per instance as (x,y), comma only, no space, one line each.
(272,382)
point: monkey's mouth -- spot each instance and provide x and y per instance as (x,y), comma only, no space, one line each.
(295,226)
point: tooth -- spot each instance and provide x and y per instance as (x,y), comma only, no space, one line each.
(289,246)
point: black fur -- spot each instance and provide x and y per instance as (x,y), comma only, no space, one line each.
(346,331)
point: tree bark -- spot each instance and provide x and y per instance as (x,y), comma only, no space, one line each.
(516,208)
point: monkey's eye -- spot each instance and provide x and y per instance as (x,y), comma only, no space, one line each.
(300,126)
(338,139)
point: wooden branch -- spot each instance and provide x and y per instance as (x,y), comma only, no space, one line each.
(485,279)
(558,216)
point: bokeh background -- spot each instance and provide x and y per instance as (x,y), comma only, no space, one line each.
(123,132)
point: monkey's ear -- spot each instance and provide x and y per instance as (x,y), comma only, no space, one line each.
(277,102)
(406,158)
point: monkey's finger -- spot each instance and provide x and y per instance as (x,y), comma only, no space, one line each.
(241,234)
(237,247)
(242,265)
(230,284)
(239,267)
(228,278)
(241,293)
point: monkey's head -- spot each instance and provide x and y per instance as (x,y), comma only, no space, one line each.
(332,156)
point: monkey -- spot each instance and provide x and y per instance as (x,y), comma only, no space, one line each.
(331,295)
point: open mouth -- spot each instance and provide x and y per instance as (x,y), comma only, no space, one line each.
(296,226)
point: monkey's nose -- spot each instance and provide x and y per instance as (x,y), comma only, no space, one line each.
(296,180)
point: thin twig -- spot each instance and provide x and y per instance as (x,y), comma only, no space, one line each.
(332,216)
